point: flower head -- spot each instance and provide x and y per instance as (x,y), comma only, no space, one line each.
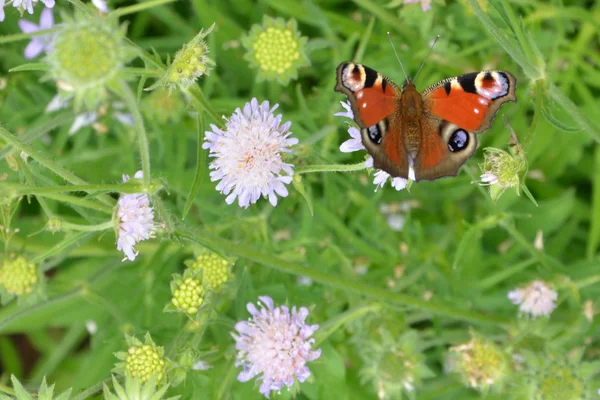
(480,363)
(215,270)
(537,299)
(561,381)
(189,63)
(248,155)
(277,49)
(135,220)
(42,42)
(88,54)
(142,360)
(274,344)
(355,144)
(188,293)
(23,5)
(101,5)
(18,276)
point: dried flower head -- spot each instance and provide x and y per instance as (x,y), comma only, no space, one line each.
(274,345)
(134,220)
(248,155)
(142,360)
(189,63)
(215,270)
(277,49)
(88,54)
(188,293)
(536,299)
(18,276)
(480,363)
(355,144)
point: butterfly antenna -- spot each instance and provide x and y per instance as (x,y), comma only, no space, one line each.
(427,56)
(397,57)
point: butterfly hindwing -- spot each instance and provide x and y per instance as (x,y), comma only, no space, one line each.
(374,100)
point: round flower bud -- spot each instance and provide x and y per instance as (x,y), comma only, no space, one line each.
(145,360)
(561,381)
(215,270)
(188,295)
(277,49)
(18,276)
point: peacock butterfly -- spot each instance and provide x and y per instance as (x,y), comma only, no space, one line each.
(433,131)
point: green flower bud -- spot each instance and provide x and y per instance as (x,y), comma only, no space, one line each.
(164,105)
(480,363)
(143,360)
(561,381)
(87,54)
(18,276)
(215,270)
(277,49)
(188,294)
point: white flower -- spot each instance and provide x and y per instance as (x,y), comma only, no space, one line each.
(41,42)
(101,5)
(248,155)
(274,344)
(136,220)
(355,144)
(23,5)
(536,299)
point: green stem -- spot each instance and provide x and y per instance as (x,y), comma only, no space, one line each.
(68,226)
(330,168)
(537,112)
(40,157)
(21,190)
(76,201)
(80,6)
(139,7)
(25,36)
(587,281)
(200,101)
(327,329)
(221,245)
(129,98)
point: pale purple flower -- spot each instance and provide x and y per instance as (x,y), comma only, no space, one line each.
(248,155)
(425,4)
(136,220)
(537,299)
(42,42)
(23,5)
(274,345)
(355,144)
(101,5)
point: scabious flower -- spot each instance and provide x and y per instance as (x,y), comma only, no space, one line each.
(562,381)
(18,276)
(274,345)
(537,299)
(425,4)
(142,360)
(248,155)
(481,364)
(135,219)
(101,5)
(87,57)
(277,49)
(215,270)
(23,5)
(355,144)
(41,43)
(189,63)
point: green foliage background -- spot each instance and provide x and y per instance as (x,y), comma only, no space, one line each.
(459,252)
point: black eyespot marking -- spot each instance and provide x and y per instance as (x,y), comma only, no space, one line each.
(383,85)
(488,77)
(467,81)
(374,133)
(370,77)
(447,87)
(459,140)
(356,70)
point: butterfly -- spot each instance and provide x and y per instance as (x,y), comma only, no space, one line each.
(434,131)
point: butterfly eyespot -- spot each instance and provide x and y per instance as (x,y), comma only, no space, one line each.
(374,133)
(459,140)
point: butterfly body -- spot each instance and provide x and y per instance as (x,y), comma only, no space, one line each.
(434,131)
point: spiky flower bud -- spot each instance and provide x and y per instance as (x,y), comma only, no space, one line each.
(88,53)
(277,49)
(189,63)
(561,381)
(215,270)
(142,360)
(480,363)
(18,276)
(188,294)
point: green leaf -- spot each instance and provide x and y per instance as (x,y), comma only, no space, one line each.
(297,182)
